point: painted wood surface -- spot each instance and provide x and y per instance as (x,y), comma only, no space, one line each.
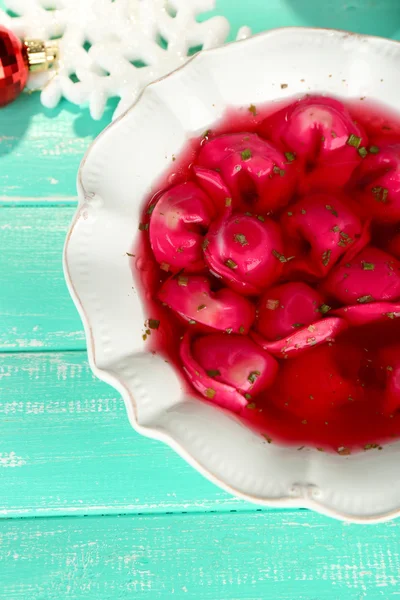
(240,556)
(66,448)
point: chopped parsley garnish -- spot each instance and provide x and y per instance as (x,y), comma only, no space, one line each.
(290,156)
(380,193)
(374,149)
(326,257)
(363,151)
(303,212)
(261,218)
(201,307)
(365,299)
(353,140)
(210,393)
(247,396)
(253,110)
(230,264)
(164,266)
(253,376)
(272,304)
(246,154)
(241,239)
(297,325)
(213,373)
(251,405)
(331,209)
(153,323)
(336,228)
(290,214)
(241,329)
(205,244)
(143,226)
(269,440)
(150,209)
(280,256)
(278,171)
(228,201)
(324,308)
(368,266)
(333,134)
(129,254)
(183,280)
(229,330)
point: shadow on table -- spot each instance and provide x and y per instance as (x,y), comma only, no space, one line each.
(375,17)
(16,118)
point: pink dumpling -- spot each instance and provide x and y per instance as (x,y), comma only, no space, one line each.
(191,297)
(177,226)
(303,339)
(318,230)
(228,370)
(320,132)
(257,174)
(285,308)
(372,275)
(357,315)
(245,251)
(215,187)
(375,184)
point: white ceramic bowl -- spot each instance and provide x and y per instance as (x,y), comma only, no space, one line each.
(116,175)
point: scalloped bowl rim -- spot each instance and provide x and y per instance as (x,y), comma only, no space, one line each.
(152,420)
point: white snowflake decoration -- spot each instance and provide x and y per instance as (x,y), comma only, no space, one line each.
(113,47)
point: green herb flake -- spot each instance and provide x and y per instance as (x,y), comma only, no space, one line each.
(164,266)
(304,422)
(241,239)
(336,229)
(280,257)
(326,256)
(201,307)
(253,376)
(322,138)
(374,149)
(229,330)
(290,156)
(389,368)
(206,134)
(297,325)
(230,264)
(228,201)
(331,209)
(246,154)
(303,212)
(210,393)
(129,254)
(353,140)
(368,266)
(205,244)
(272,304)
(247,396)
(365,299)
(153,323)
(333,134)
(241,329)
(192,322)
(253,110)
(251,405)
(324,308)
(248,214)
(363,151)
(290,214)
(143,226)
(380,193)
(269,440)
(150,209)
(183,280)
(213,373)
(261,218)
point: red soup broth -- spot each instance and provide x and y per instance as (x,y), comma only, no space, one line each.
(340,395)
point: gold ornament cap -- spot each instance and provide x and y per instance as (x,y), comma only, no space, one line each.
(41,55)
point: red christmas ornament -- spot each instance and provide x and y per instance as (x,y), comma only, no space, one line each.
(17,58)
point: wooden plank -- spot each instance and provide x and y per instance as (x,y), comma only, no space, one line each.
(40,150)
(66,446)
(36,311)
(246,556)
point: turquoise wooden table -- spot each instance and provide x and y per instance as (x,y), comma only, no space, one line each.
(88,508)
